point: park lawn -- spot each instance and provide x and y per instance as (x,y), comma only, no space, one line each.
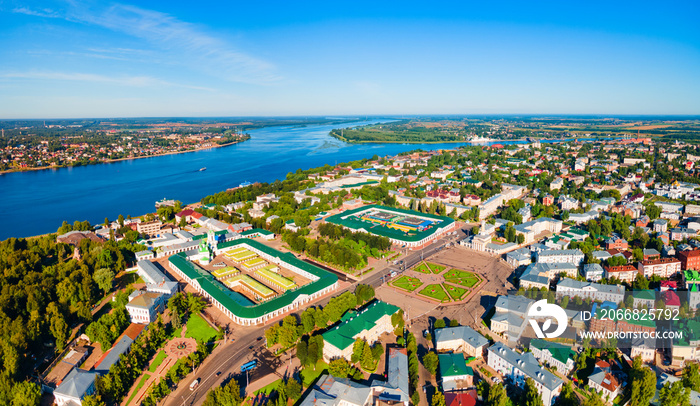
(422,268)
(435,291)
(407,283)
(462,278)
(138,387)
(456,293)
(199,329)
(309,375)
(435,268)
(157,361)
(268,388)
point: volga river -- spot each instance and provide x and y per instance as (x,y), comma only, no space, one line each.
(36,202)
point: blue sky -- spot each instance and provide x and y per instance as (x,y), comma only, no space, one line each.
(79,58)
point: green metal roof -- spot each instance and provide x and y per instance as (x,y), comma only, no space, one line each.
(226,297)
(343,220)
(644,294)
(256,231)
(452,365)
(560,352)
(371,182)
(343,335)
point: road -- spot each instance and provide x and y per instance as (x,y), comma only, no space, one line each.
(228,358)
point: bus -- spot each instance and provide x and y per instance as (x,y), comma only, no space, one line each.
(194,384)
(249,365)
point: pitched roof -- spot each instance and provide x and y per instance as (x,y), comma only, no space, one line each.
(465,333)
(237,303)
(452,365)
(560,352)
(528,365)
(467,398)
(332,391)
(343,335)
(395,389)
(76,383)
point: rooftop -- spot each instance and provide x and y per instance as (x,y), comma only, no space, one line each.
(343,335)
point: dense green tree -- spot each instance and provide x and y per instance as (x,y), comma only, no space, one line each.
(674,394)
(339,368)
(643,385)
(438,399)
(594,400)
(497,396)
(229,395)
(439,323)
(567,397)
(531,396)
(430,362)
(26,394)
(288,334)
(302,352)
(691,376)
(104,278)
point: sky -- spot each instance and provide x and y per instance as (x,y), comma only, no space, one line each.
(75,58)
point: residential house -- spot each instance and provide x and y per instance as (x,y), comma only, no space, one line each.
(662,267)
(560,256)
(595,291)
(144,307)
(78,384)
(554,355)
(454,372)
(624,273)
(689,259)
(460,339)
(605,383)
(369,324)
(519,367)
(593,272)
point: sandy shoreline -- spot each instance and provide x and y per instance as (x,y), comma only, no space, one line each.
(109,161)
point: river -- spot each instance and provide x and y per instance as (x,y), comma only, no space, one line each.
(37,202)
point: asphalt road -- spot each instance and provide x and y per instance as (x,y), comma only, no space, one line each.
(228,358)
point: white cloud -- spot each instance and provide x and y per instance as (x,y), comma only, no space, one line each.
(181,42)
(134,81)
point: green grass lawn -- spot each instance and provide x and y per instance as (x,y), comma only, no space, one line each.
(422,268)
(435,268)
(157,361)
(138,387)
(269,388)
(407,283)
(199,329)
(309,375)
(462,278)
(455,292)
(435,291)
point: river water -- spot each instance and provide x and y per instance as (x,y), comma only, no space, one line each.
(36,202)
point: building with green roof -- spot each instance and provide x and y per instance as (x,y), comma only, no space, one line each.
(368,324)
(554,354)
(236,306)
(394,230)
(452,366)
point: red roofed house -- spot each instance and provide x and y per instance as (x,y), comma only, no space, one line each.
(187,214)
(689,259)
(668,285)
(671,299)
(467,398)
(603,382)
(548,200)
(624,273)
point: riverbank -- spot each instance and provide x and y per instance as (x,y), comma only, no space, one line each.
(110,161)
